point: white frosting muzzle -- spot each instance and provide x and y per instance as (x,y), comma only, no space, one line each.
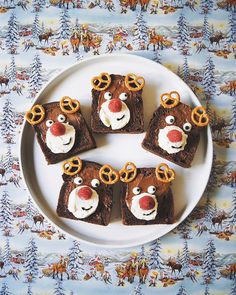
(169,146)
(82,208)
(139,212)
(63,143)
(114,120)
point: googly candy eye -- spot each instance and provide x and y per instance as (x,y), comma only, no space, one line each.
(78,180)
(95,182)
(170,119)
(123,96)
(136,190)
(151,189)
(107,95)
(49,123)
(61,118)
(187,126)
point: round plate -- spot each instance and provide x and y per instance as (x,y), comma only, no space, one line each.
(44,182)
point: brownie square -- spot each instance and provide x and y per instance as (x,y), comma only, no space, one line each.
(175,141)
(62,135)
(85,197)
(139,200)
(117,109)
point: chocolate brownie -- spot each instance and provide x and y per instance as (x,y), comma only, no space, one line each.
(174,130)
(61,129)
(84,196)
(146,199)
(117,105)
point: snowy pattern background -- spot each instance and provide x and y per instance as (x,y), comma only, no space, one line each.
(194,38)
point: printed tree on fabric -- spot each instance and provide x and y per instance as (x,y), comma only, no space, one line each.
(142,253)
(185,256)
(76,26)
(182,291)
(38,4)
(208,208)
(157,56)
(36,29)
(5,290)
(206,291)
(6,217)
(232,218)
(30,209)
(185,74)
(29,290)
(232,126)
(140,30)
(58,290)
(75,259)
(205,29)
(12,36)
(155,260)
(183,37)
(35,80)
(208,81)
(231,36)
(207,5)
(8,122)
(8,160)
(138,289)
(209,266)
(31,261)
(64,29)
(233,288)
(7,255)
(12,70)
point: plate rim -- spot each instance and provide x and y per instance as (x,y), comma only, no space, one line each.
(31,193)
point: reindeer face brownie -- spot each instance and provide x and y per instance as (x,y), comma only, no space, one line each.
(174,130)
(117,105)
(146,196)
(86,193)
(61,129)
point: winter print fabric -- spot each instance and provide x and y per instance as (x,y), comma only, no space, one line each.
(196,39)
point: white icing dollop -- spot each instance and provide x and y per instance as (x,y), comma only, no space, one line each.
(167,145)
(61,144)
(139,212)
(115,120)
(82,208)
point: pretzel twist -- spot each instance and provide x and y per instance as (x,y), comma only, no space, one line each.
(69,105)
(199,116)
(164,173)
(35,115)
(170,100)
(72,166)
(101,82)
(133,82)
(128,172)
(108,175)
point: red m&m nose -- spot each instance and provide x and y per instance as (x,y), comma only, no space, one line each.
(58,129)
(146,203)
(174,135)
(115,105)
(85,193)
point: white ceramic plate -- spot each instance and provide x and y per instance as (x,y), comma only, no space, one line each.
(44,182)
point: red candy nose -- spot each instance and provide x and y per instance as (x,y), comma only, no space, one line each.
(58,129)
(115,105)
(146,203)
(85,193)
(174,135)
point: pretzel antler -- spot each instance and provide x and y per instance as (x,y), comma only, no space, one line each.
(164,173)
(35,115)
(199,116)
(170,100)
(101,82)
(69,105)
(128,172)
(72,166)
(133,82)
(108,175)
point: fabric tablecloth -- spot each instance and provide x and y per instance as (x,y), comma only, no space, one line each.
(194,39)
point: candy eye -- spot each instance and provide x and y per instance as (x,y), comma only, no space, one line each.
(107,95)
(170,119)
(49,123)
(123,96)
(61,118)
(187,127)
(95,182)
(151,189)
(78,180)
(136,190)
